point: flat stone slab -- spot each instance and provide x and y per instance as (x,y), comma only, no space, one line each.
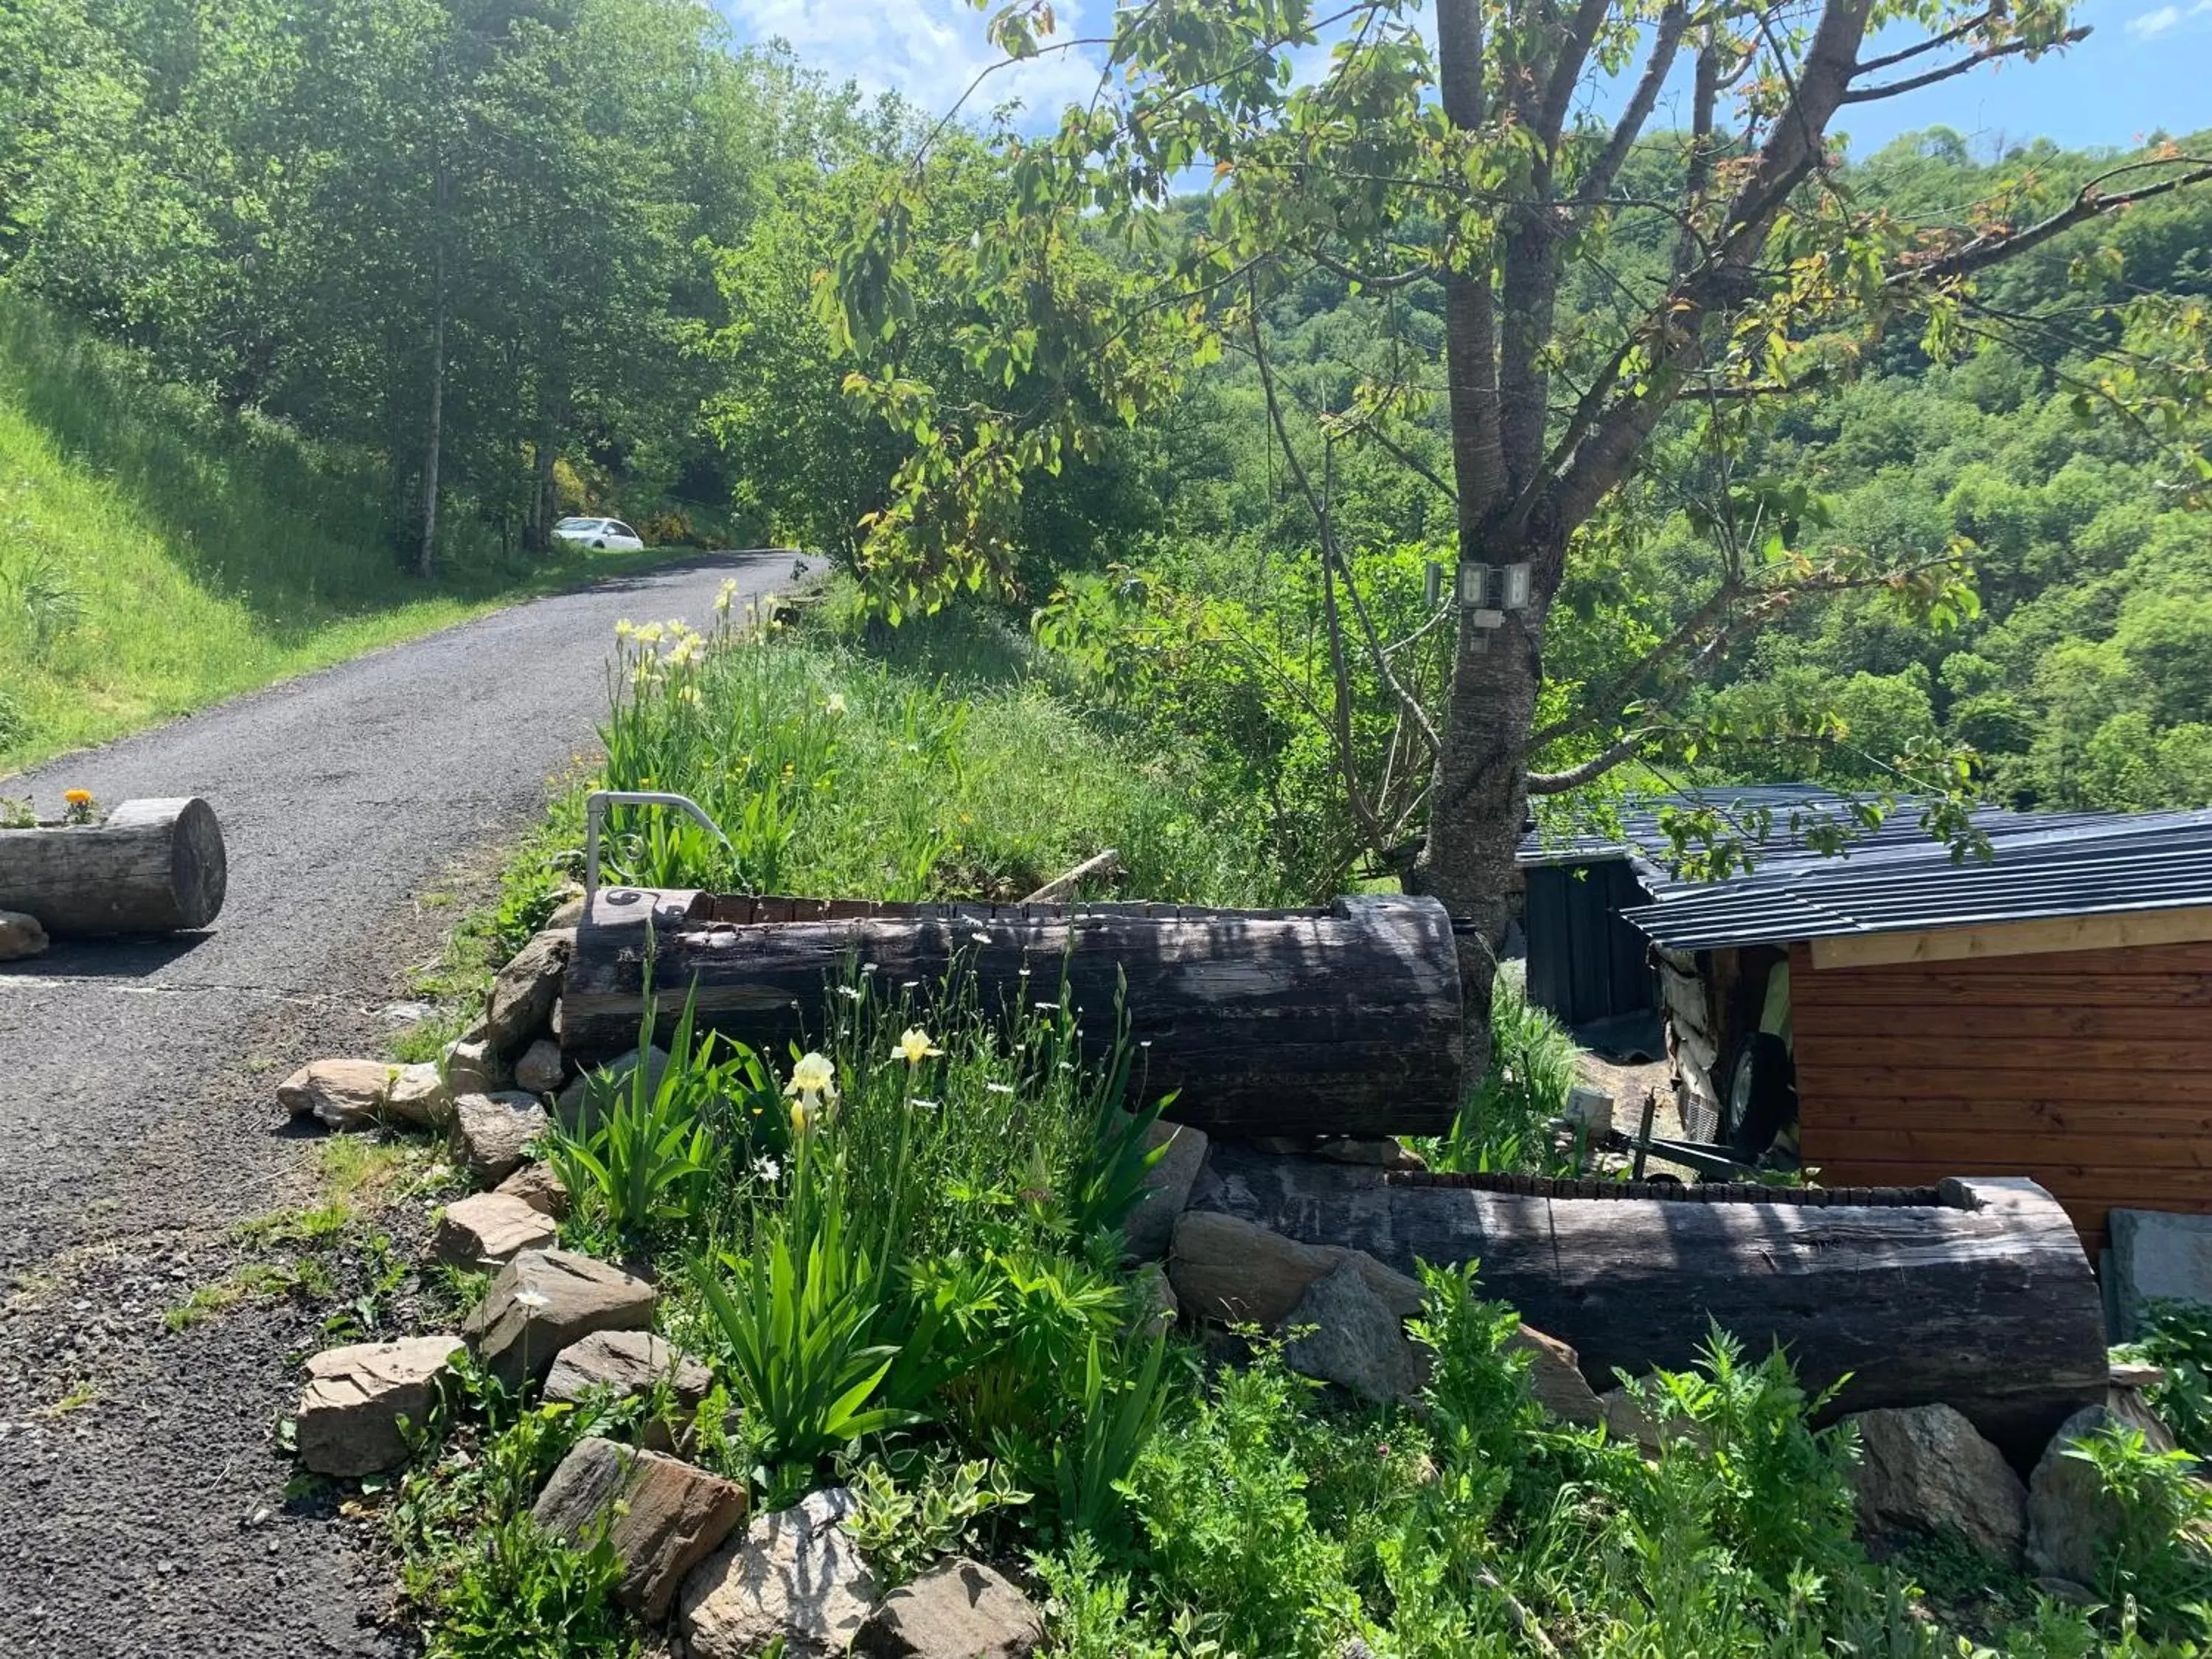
(491,1229)
(627,1364)
(350,1420)
(662,1516)
(492,1133)
(959,1609)
(2157,1256)
(793,1574)
(544,1301)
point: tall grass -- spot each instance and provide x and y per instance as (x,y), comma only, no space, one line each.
(832,775)
(157,554)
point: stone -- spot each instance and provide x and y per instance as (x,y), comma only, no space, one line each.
(418,1094)
(2157,1255)
(349,1421)
(536,1185)
(541,1070)
(569,913)
(662,1516)
(1375,1151)
(1926,1467)
(628,1365)
(1555,1377)
(793,1574)
(1156,1308)
(571,1107)
(487,1229)
(959,1609)
(340,1094)
(544,1301)
(471,1068)
(1151,1227)
(21,936)
(522,996)
(1344,1334)
(2070,1516)
(1589,1110)
(492,1133)
(2134,1374)
(1235,1271)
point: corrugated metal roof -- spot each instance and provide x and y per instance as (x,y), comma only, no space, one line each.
(2070,865)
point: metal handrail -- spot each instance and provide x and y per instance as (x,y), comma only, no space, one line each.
(595,810)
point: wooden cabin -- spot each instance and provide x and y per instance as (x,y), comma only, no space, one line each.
(2046,1012)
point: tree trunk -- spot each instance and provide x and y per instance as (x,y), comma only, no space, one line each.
(541,513)
(154,867)
(427,560)
(1975,1295)
(1343,1021)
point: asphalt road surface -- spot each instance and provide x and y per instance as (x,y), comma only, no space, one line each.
(143,1501)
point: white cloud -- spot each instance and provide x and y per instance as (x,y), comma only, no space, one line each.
(930,51)
(2151,23)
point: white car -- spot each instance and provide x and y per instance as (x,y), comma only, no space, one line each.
(599,532)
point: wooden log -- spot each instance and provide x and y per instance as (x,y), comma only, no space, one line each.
(1985,1303)
(154,866)
(1343,1021)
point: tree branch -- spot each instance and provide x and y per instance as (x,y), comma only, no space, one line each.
(1974,60)
(2087,203)
(1589,771)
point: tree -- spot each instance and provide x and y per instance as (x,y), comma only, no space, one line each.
(1728,271)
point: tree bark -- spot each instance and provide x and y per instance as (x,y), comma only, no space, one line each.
(1343,1021)
(427,560)
(1976,1296)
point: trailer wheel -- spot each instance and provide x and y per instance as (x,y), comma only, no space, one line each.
(1761,1097)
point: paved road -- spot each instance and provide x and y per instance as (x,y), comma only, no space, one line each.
(137,1120)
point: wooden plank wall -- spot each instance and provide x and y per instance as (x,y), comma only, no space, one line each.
(2089,1071)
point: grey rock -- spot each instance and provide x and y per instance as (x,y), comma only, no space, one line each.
(536,1185)
(350,1420)
(470,1068)
(492,1133)
(661,1517)
(1354,1341)
(1156,1308)
(522,996)
(627,1364)
(22,936)
(959,1609)
(2157,1255)
(570,914)
(1151,1227)
(575,1106)
(793,1574)
(487,1229)
(1926,1467)
(542,1302)
(2070,1517)
(540,1071)
(1234,1271)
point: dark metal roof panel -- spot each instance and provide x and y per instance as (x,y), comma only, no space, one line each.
(2038,869)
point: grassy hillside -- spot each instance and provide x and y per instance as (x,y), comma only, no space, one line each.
(157,555)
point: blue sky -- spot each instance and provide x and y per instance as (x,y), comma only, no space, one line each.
(2147,66)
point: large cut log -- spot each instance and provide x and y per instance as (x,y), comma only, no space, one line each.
(1342,1021)
(1974,1294)
(154,866)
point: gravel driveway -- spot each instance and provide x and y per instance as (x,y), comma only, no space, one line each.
(141,1501)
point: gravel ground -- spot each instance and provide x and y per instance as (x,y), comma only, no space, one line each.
(143,1506)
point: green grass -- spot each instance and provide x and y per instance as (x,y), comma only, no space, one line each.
(157,555)
(835,774)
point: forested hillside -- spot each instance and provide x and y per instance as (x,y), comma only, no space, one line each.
(508,260)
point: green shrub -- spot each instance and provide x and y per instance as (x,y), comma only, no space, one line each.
(2177,1340)
(2160,1557)
(1504,1125)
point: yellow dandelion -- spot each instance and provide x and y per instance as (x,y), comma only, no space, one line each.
(77,797)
